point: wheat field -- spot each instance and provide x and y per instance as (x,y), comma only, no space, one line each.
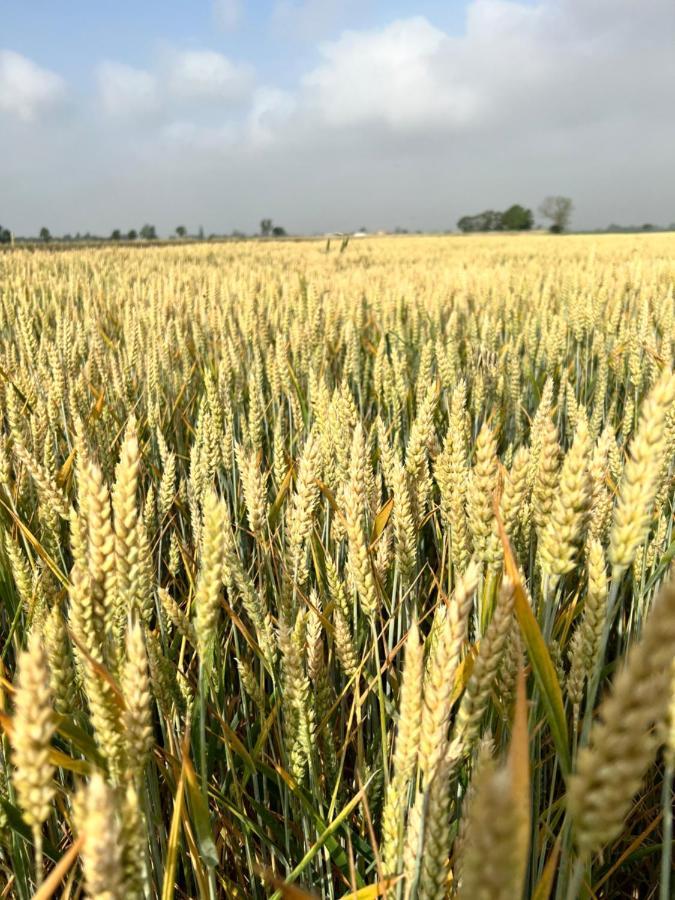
(338,571)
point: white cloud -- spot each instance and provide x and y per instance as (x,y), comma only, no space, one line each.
(127,92)
(182,135)
(207,75)
(393,75)
(545,64)
(271,109)
(26,89)
(227,13)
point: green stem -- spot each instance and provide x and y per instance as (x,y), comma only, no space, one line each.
(576,879)
(202,760)
(202,729)
(383,710)
(39,860)
(667,847)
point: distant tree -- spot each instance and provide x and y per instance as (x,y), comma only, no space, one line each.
(559,211)
(181,231)
(517,218)
(266,227)
(148,233)
(5,235)
(485,221)
(116,235)
(45,235)
(278,231)
(400,230)
(132,234)
(200,233)
(466,223)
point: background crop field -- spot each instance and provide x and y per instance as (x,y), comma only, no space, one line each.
(340,572)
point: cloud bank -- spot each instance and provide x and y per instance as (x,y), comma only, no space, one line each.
(26,89)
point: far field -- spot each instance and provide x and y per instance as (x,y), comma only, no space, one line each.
(338,568)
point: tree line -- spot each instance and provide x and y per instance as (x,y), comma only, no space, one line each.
(515,218)
(147,233)
(558,210)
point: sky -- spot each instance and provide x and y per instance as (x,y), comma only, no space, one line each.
(332,114)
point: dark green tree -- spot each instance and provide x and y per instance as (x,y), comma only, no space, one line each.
(466,224)
(5,235)
(266,227)
(181,231)
(45,234)
(278,231)
(485,221)
(116,235)
(148,233)
(517,218)
(132,235)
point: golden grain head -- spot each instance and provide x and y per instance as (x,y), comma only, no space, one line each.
(290,532)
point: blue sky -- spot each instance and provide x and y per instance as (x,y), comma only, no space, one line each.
(72,37)
(327,115)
